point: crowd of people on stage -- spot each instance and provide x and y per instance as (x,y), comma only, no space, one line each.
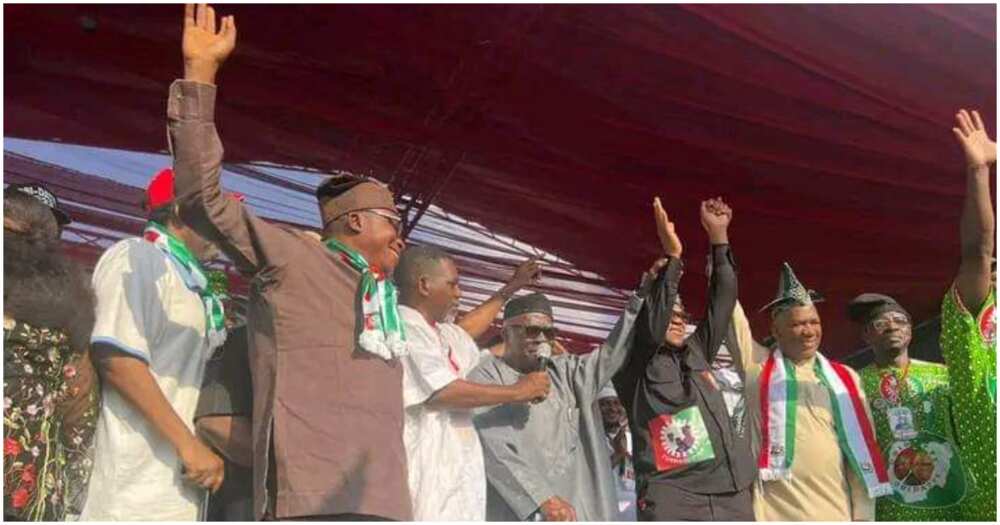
(349,390)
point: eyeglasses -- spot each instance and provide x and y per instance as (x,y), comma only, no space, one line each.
(881,323)
(533,331)
(393,218)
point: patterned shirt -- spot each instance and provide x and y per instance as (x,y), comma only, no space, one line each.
(923,390)
(968,343)
(45,463)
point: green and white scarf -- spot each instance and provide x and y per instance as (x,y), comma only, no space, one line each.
(778,406)
(195,279)
(383,333)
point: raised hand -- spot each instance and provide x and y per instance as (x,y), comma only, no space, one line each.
(980,151)
(665,231)
(715,218)
(205,45)
(528,272)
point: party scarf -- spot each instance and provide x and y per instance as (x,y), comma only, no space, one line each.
(194,277)
(778,404)
(382,334)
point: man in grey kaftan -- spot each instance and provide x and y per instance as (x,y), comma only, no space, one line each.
(550,460)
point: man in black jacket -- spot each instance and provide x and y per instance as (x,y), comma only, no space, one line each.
(690,462)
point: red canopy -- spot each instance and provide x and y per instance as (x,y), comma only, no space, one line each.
(827,127)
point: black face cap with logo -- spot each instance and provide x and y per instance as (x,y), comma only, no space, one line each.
(44,196)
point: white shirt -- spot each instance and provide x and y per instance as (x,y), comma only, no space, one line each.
(624,476)
(447,477)
(144,309)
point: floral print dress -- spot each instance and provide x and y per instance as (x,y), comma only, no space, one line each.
(46,457)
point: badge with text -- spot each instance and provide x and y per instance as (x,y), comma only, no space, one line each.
(680,439)
(926,472)
(901,423)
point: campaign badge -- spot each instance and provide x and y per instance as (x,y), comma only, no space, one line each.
(680,439)
(901,423)
(926,472)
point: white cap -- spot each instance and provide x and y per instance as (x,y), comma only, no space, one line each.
(607,391)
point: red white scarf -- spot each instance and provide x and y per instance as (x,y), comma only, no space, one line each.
(778,405)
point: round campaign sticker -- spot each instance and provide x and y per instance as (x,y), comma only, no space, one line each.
(926,472)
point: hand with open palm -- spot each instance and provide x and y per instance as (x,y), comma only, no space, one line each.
(665,231)
(206,45)
(980,151)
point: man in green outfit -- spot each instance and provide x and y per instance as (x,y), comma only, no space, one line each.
(968,324)
(911,408)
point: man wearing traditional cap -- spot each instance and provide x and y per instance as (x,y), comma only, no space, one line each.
(325,334)
(550,460)
(445,460)
(691,462)
(158,321)
(968,323)
(818,456)
(46,197)
(619,440)
(911,405)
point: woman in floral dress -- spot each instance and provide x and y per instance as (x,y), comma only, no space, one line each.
(51,392)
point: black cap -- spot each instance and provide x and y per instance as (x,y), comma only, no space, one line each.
(44,196)
(535,303)
(868,306)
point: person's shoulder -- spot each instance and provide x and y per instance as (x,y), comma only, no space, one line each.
(455,331)
(130,253)
(920,363)
(307,237)
(487,371)
(929,368)
(128,246)
(410,316)
(567,358)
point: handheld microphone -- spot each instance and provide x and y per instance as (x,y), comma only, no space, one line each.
(544,358)
(544,355)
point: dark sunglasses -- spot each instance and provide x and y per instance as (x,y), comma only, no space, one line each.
(532,332)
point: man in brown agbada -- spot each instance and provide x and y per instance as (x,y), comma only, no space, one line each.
(327,415)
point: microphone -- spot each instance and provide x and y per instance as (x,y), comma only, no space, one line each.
(544,355)
(544,358)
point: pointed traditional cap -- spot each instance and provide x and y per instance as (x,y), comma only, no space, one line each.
(791,292)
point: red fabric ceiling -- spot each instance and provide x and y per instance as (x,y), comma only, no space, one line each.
(827,127)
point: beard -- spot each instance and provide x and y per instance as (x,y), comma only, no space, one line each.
(45,289)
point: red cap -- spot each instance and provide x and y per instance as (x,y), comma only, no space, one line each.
(160,190)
